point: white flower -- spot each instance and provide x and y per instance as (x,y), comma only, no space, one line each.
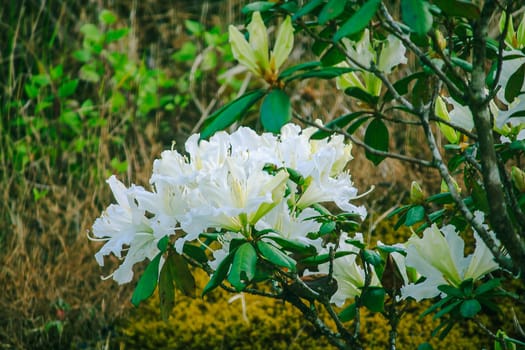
(124,224)
(439,257)
(349,275)
(254,54)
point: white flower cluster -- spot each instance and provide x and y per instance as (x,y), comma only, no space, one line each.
(233,184)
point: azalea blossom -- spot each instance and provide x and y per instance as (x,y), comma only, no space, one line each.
(386,58)
(223,184)
(439,257)
(254,54)
(349,275)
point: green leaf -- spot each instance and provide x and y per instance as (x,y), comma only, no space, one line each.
(376,136)
(147,282)
(194,27)
(323,258)
(195,253)
(230,113)
(488,286)
(88,72)
(91,32)
(372,257)
(362,95)
(166,292)
(414,215)
(513,88)
(293,245)
(441,198)
(339,122)
(435,306)
(275,256)
(82,55)
(162,244)
(416,14)
(323,73)
(220,273)
(358,21)
(447,309)
(331,10)
(401,85)
(243,267)
(116,34)
(355,125)
(68,88)
(348,313)
(327,227)
(107,17)
(260,6)
(425,346)
(458,8)
(309,7)
(392,249)
(470,308)
(181,274)
(452,291)
(332,57)
(302,66)
(276,110)
(374,299)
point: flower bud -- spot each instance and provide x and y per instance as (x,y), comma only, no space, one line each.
(444,186)
(518,178)
(416,194)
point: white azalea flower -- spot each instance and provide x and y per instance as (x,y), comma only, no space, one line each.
(366,53)
(255,55)
(349,275)
(122,225)
(439,257)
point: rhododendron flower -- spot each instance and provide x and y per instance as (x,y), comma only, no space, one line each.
(233,184)
(391,54)
(439,257)
(254,53)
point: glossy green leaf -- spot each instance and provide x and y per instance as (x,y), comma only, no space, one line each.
(435,306)
(230,113)
(376,137)
(181,274)
(515,83)
(415,215)
(402,85)
(416,14)
(459,8)
(452,291)
(356,124)
(195,253)
(275,256)
(372,257)
(392,249)
(323,258)
(470,308)
(425,346)
(488,286)
(362,95)
(166,292)
(293,245)
(327,227)
(116,34)
(243,267)
(348,313)
(447,309)
(147,282)
(306,9)
(331,10)
(333,56)
(276,110)
(220,273)
(359,20)
(374,299)
(260,6)
(323,73)
(299,67)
